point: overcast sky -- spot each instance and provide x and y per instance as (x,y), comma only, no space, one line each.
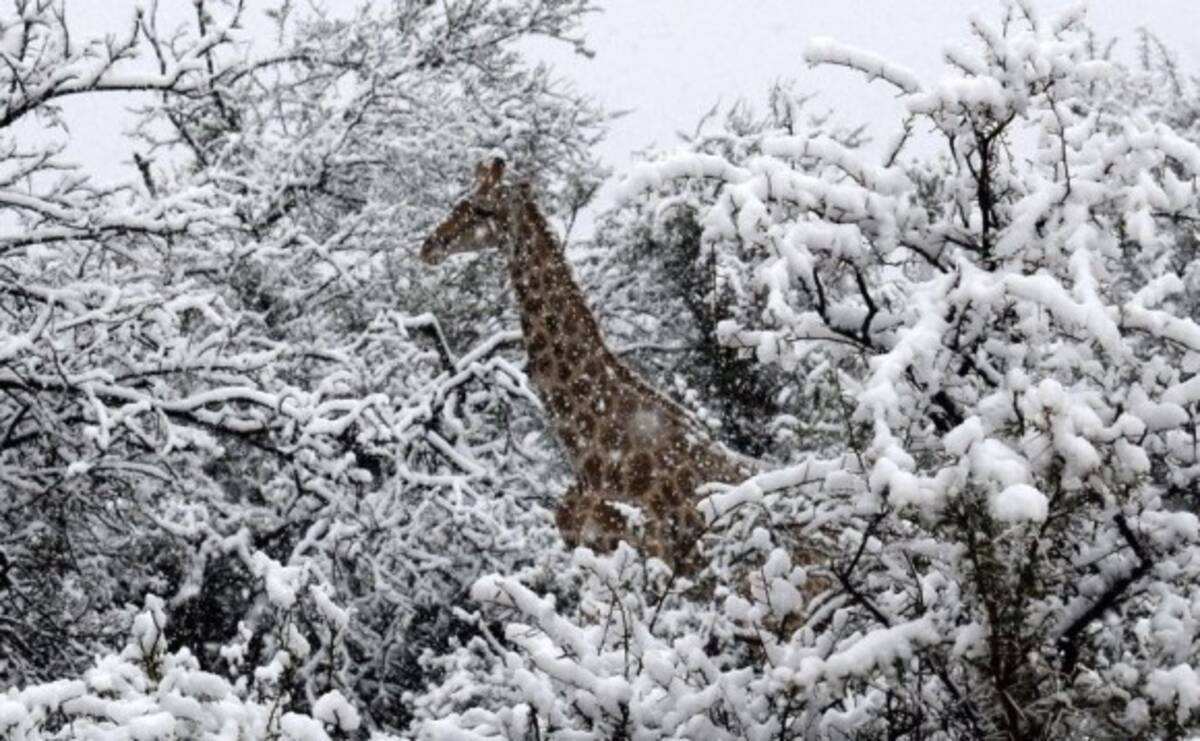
(669,61)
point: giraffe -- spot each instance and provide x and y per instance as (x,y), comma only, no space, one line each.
(626,442)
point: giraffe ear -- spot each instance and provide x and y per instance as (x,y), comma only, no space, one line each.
(488,174)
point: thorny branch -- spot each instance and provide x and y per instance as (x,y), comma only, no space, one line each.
(1070,643)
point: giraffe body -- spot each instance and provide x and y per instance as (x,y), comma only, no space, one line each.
(625,441)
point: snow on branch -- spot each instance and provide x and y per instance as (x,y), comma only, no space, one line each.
(994,363)
(822,50)
(43,63)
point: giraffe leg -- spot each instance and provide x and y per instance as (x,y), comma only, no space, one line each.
(583,518)
(671,532)
(673,535)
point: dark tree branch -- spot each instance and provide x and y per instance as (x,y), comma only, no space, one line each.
(1070,643)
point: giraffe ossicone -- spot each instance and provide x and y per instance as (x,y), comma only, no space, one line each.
(626,442)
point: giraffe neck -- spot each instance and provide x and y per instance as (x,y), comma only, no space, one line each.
(600,409)
(562,339)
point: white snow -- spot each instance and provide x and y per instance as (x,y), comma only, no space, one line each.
(296,727)
(1178,686)
(1019,503)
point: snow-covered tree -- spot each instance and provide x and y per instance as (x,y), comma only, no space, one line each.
(113,379)
(994,549)
(336,159)
(658,287)
(146,690)
(226,382)
(233,353)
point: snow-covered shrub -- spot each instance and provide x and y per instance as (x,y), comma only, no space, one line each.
(115,381)
(336,160)
(147,691)
(234,350)
(998,551)
(656,284)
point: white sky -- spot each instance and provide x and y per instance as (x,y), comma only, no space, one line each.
(668,61)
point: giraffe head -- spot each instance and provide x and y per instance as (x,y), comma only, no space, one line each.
(479,221)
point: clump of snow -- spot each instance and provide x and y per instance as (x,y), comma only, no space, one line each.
(1178,686)
(296,727)
(961,438)
(281,581)
(148,694)
(148,628)
(333,709)
(1019,503)
(338,617)
(822,50)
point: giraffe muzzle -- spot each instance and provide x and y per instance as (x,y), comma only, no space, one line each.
(433,251)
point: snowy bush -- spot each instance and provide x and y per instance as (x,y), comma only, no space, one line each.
(233,351)
(115,380)
(658,287)
(149,692)
(997,547)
